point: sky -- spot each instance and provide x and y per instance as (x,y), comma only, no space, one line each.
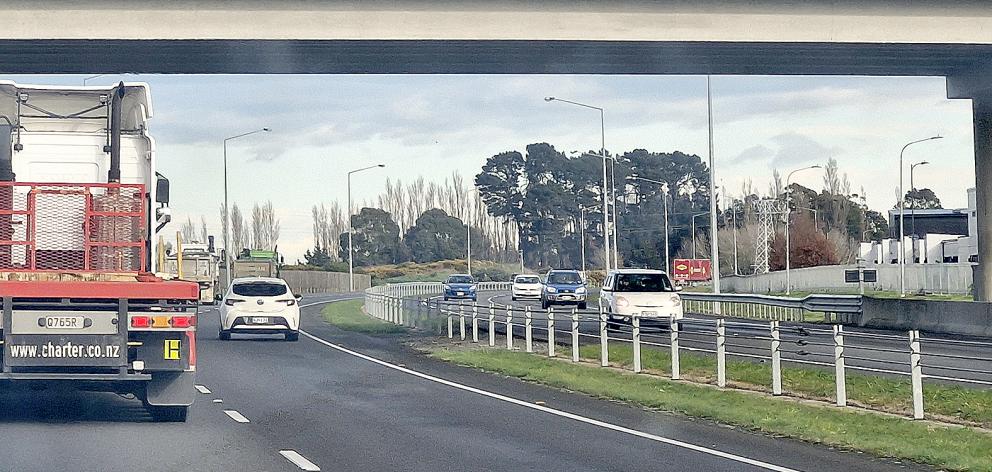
(433,125)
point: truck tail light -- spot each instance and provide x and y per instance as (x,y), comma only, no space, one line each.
(232,301)
(160,321)
(141,321)
(288,301)
(183,321)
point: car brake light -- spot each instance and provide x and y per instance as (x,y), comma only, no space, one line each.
(289,302)
(232,301)
(141,321)
(184,321)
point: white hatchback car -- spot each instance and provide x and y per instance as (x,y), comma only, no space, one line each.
(260,305)
(526,286)
(647,293)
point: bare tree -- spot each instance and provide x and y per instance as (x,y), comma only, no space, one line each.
(264,226)
(240,237)
(831,177)
(203,229)
(776,188)
(188,230)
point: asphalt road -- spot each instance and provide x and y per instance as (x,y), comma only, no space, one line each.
(392,410)
(885,351)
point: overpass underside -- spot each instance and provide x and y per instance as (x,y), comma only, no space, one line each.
(967,66)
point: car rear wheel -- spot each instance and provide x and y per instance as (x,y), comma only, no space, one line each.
(293,336)
(224,335)
(582,306)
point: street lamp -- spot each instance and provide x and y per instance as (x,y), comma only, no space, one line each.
(902,217)
(606,186)
(912,187)
(351,262)
(664,199)
(227,212)
(788,213)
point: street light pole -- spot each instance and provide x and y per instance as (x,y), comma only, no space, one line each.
(351,226)
(902,217)
(788,214)
(606,185)
(912,188)
(714,243)
(227,212)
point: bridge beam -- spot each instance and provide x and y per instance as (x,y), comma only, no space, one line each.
(978,87)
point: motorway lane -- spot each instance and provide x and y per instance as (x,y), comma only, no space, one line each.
(878,349)
(344,413)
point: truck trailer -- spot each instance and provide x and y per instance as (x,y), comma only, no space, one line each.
(199,264)
(80,204)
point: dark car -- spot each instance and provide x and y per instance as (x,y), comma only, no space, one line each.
(563,287)
(460,286)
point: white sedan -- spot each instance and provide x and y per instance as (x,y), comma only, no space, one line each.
(260,305)
(526,286)
(647,293)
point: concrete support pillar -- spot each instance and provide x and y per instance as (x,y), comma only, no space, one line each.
(982,107)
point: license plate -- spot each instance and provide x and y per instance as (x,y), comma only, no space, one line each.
(64,322)
(567,297)
(461,293)
(649,313)
(259,320)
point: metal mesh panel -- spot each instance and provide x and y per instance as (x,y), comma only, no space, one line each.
(72,227)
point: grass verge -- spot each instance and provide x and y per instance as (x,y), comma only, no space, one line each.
(957,448)
(893,395)
(348,315)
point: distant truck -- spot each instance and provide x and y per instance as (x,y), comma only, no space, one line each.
(80,205)
(256,263)
(199,264)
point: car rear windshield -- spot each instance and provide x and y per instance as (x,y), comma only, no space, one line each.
(259,289)
(643,283)
(527,280)
(570,278)
(460,279)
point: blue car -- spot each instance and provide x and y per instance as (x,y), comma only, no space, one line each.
(563,287)
(460,287)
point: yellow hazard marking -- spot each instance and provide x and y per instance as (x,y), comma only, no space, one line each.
(171,351)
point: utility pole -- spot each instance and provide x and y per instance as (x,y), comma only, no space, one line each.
(714,245)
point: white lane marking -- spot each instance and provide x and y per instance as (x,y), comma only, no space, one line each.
(299,460)
(556,412)
(202,389)
(236,416)
(218,400)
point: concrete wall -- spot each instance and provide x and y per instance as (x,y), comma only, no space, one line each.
(961,318)
(305,281)
(938,278)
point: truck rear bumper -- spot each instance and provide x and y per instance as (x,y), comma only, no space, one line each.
(75,377)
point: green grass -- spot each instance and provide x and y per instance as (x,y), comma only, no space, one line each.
(348,315)
(887,394)
(957,448)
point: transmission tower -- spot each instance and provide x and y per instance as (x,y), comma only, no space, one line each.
(767,209)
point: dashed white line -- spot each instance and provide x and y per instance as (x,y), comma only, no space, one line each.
(299,460)
(218,400)
(560,413)
(236,416)
(202,389)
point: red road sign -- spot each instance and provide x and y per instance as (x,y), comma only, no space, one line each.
(692,270)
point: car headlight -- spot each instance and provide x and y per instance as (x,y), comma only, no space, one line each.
(473,288)
(580,290)
(551,289)
(622,302)
(447,287)
(676,300)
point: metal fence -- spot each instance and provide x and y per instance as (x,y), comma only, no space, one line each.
(899,354)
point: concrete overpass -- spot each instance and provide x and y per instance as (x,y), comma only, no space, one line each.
(840,37)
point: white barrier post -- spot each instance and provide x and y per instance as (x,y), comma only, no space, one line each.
(575,335)
(776,358)
(451,330)
(399,312)
(839,373)
(551,332)
(674,329)
(916,370)
(475,323)
(528,331)
(492,324)
(636,339)
(509,328)
(604,349)
(461,320)
(721,353)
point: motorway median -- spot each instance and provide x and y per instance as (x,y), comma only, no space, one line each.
(943,445)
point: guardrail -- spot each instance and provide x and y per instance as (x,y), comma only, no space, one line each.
(742,305)
(829,346)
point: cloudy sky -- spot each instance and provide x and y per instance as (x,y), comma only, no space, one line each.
(430,126)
